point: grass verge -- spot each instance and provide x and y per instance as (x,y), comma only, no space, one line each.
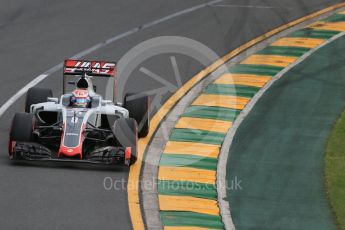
(335,171)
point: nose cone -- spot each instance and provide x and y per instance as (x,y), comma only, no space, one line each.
(70,152)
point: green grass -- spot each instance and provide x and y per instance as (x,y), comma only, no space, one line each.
(335,171)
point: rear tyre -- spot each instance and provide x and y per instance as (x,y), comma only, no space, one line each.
(21,129)
(125,131)
(36,95)
(139,110)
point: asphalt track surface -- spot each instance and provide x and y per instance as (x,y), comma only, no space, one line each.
(36,35)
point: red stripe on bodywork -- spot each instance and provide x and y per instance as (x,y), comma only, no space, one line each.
(71,152)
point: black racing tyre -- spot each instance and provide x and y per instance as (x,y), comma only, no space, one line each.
(125,131)
(21,129)
(36,95)
(139,110)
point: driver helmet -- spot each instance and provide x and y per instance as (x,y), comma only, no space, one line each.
(80,98)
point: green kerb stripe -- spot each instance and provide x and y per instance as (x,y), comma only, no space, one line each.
(284,51)
(185,160)
(193,135)
(335,18)
(234,90)
(187,188)
(191,219)
(256,69)
(217,113)
(313,33)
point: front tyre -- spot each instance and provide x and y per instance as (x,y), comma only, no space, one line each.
(125,131)
(21,130)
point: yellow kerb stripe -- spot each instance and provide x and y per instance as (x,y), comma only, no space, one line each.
(299,42)
(188,204)
(224,101)
(243,79)
(272,60)
(184,228)
(336,26)
(187,174)
(203,124)
(198,149)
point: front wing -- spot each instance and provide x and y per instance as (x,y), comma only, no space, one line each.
(31,151)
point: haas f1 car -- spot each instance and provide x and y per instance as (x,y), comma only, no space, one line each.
(80,126)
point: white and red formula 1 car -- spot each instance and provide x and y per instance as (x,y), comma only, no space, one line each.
(80,126)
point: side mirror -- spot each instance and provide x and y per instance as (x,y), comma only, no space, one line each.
(53,99)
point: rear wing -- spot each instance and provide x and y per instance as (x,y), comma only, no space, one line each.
(91,68)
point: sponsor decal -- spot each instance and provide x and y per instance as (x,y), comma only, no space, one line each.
(97,67)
